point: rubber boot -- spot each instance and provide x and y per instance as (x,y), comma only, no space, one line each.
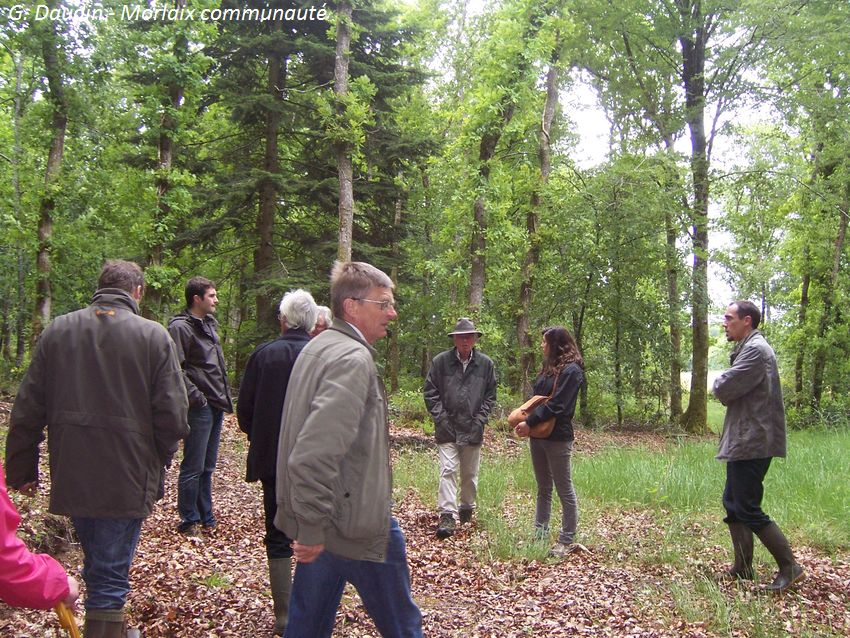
(104,623)
(790,573)
(280,579)
(742,544)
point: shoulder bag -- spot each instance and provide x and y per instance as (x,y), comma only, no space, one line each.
(543,429)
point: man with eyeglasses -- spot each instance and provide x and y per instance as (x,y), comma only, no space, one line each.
(334,483)
(460,392)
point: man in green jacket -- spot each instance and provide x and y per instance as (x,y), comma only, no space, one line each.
(334,484)
(460,392)
(106,383)
(753,433)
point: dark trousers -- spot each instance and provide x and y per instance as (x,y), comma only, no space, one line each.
(744,491)
(278,544)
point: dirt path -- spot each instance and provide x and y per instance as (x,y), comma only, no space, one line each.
(216,585)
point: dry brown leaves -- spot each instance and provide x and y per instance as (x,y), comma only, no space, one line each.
(216,585)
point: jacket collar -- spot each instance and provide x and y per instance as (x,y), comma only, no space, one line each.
(115,297)
(346,328)
(740,345)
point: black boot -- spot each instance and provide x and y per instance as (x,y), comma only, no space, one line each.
(280,578)
(446,526)
(742,544)
(105,623)
(790,573)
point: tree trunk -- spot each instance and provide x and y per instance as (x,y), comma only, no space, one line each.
(425,361)
(152,308)
(264,252)
(532,255)
(827,319)
(671,257)
(51,48)
(17,156)
(801,323)
(394,356)
(343,151)
(693,43)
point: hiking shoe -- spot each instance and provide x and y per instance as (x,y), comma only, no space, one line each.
(189,529)
(465,516)
(560,550)
(447,525)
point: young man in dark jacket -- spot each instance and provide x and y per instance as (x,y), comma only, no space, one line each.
(753,434)
(107,385)
(259,408)
(460,391)
(199,352)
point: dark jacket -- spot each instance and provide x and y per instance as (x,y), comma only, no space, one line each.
(460,402)
(107,385)
(261,396)
(562,405)
(754,426)
(202,360)
(334,483)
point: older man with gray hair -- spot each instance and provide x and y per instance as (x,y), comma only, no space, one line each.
(323,322)
(258,409)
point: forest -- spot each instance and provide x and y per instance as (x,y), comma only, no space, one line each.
(254,143)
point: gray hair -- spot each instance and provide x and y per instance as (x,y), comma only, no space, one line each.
(299,309)
(353,280)
(325,313)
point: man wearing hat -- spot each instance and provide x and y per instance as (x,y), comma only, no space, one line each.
(460,391)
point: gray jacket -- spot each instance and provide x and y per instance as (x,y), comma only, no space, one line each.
(754,426)
(106,384)
(460,401)
(334,484)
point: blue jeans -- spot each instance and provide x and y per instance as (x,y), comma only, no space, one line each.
(200,453)
(384,589)
(109,545)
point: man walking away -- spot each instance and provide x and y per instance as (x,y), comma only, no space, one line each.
(107,385)
(258,408)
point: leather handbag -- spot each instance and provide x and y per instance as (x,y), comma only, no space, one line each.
(543,429)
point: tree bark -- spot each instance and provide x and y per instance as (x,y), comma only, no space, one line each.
(51,49)
(827,319)
(532,255)
(693,45)
(345,168)
(17,156)
(152,307)
(264,252)
(801,323)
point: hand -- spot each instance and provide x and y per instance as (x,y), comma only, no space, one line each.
(522,429)
(73,592)
(306,553)
(29,489)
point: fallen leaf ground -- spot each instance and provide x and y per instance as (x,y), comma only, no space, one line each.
(216,585)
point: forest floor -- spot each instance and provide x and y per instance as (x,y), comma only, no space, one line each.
(216,585)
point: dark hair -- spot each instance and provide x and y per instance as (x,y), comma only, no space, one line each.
(748,309)
(124,275)
(563,350)
(197,286)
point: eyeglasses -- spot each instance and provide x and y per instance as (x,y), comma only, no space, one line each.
(385,304)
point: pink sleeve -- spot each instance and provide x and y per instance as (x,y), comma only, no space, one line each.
(26,579)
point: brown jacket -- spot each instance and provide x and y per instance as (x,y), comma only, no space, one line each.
(107,385)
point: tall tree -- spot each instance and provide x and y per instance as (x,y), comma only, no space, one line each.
(345,170)
(53,55)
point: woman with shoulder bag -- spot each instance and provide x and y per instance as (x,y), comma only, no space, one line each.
(560,378)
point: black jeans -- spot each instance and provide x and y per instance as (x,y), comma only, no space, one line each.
(744,491)
(278,544)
